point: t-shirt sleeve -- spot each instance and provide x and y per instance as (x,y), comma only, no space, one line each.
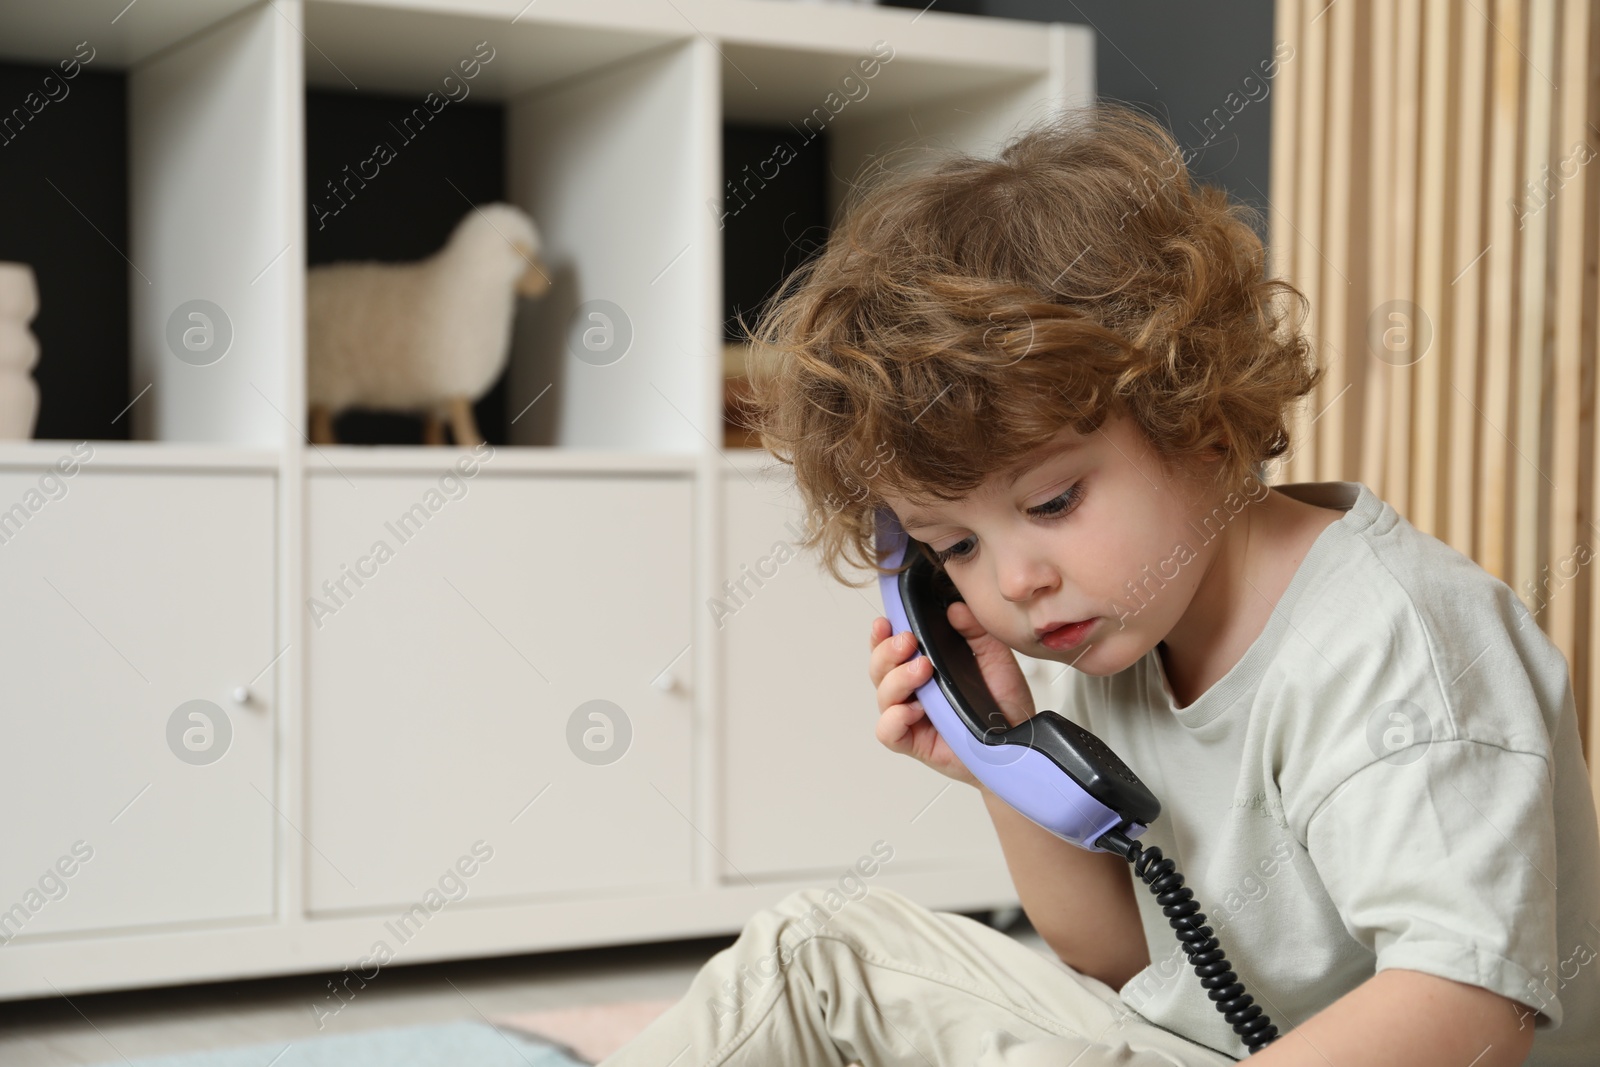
(1440,857)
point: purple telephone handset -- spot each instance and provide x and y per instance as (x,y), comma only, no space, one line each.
(1049,768)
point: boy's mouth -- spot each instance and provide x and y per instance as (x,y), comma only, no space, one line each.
(1067,635)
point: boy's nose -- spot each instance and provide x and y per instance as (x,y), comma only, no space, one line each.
(1024,580)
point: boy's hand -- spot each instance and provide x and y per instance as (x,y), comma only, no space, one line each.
(903,724)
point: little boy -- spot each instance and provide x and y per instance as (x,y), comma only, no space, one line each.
(1067,374)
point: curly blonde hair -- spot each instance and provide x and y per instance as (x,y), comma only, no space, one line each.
(962,313)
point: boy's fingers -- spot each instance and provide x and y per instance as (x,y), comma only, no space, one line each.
(891,689)
(966,623)
(913,674)
(891,727)
(900,683)
(880,662)
(885,654)
(877,662)
(905,716)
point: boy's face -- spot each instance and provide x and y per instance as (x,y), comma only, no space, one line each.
(1121,521)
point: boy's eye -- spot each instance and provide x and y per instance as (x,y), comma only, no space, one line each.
(1064,504)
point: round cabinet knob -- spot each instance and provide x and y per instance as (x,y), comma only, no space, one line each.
(241,694)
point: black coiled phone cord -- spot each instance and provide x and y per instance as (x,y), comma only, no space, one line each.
(1252,1025)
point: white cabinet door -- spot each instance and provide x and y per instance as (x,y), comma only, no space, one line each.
(809,787)
(139,791)
(481,654)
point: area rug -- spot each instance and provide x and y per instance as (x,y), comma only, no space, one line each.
(592,1032)
(442,1045)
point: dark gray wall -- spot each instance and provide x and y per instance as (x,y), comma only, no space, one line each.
(1178,60)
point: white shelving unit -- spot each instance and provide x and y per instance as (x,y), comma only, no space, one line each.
(372,746)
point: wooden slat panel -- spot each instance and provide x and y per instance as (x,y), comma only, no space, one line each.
(1363,196)
(1343,350)
(1286,94)
(1495,394)
(1397,458)
(1441,153)
(1587,670)
(1309,215)
(1530,479)
(1374,397)
(1435,249)
(1576,227)
(1467,318)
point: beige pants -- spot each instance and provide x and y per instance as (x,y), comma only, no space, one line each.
(880,980)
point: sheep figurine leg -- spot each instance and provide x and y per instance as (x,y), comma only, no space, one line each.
(463,427)
(462,424)
(430,336)
(432,427)
(322,425)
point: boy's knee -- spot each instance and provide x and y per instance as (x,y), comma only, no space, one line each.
(823,909)
(807,911)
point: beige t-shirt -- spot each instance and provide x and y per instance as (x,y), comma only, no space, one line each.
(1391,776)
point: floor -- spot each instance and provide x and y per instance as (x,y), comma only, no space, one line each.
(113,1027)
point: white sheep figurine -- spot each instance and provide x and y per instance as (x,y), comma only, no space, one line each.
(428,337)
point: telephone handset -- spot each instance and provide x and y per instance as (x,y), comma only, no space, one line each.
(1049,768)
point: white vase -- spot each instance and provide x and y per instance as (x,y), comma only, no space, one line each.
(19,352)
